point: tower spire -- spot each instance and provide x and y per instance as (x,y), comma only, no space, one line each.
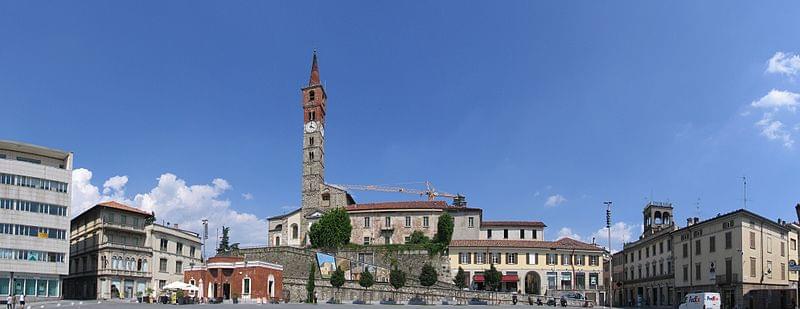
(314,79)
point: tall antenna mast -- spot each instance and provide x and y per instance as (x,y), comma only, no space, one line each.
(697,204)
(744,182)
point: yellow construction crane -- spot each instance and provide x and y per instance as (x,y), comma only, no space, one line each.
(430,191)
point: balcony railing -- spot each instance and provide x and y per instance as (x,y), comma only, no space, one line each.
(727,279)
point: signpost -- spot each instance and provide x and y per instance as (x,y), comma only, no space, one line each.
(793,266)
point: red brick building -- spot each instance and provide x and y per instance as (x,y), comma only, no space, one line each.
(228,277)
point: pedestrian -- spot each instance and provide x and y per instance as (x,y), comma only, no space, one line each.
(315,297)
(10,302)
(22,301)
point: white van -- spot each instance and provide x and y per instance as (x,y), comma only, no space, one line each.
(701,301)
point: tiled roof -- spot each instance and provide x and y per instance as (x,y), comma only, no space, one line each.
(400,205)
(513,223)
(563,243)
(120,206)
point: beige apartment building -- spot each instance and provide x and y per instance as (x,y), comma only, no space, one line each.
(532,267)
(741,255)
(117,251)
(648,272)
(173,251)
(109,258)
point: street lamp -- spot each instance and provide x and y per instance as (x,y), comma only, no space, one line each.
(205,236)
(610,256)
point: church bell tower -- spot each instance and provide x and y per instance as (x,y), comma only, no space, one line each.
(313,104)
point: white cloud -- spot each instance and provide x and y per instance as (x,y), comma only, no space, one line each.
(775,130)
(777,99)
(782,63)
(621,233)
(567,232)
(247,196)
(555,200)
(174,201)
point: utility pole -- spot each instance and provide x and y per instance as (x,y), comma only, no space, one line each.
(610,256)
(205,236)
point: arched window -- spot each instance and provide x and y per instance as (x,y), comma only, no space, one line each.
(277,241)
(311,96)
(144,265)
(295,231)
(139,265)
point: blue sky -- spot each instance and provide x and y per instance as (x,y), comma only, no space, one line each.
(512,103)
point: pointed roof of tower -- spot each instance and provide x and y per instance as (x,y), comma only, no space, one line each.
(314,79)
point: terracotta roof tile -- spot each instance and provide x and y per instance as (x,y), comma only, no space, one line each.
(120,206)
(513,223)
(564,243)
(400,205)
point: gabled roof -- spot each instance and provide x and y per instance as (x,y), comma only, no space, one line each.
(513,223)
(285,215)
(120,206)
(563,243)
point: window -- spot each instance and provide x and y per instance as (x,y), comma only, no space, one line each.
(426,221)
(552,259)
(505,234)
(783,271)
(326,196)
(162,284)
(406,239)
(669,245)
(192,250)
(178,267)
(179,248)
(697,273)
(534,234)
(661,247)
(697,248)
(311,141)
(366,240)
(408,221)
(480,258)
(579,259)
(685,250)
(640,254)
(580,281)
(311,96)
(712,244)
(594,260)
(311,155)
(471,222)
(551,280)
(164,244)
(769,244)
(366,222)
(162,265)
(783,249)
(752,240)
(593,278)
(647,252)
(728,240)
(566,280)
(511,258)
(527,258)
(489,234)
(295,231)
(495,257)
(685,273)
(793,244)
(566,259)
(246,286)
(752,267)
(463,258)
(769,268)
(521,234)
(387,221)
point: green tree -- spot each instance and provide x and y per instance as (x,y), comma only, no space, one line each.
(461,279)
(337,279)
(444,229)
(332,231)
(311,285)
(366,280)
(428,275)
(397,278)
(491,278)
(418,237)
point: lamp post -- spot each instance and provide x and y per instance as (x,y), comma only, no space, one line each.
(610,256)
(205,236)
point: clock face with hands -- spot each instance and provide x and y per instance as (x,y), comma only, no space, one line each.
(312,126)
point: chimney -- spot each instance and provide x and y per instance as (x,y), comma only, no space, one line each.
(797,210)
(689,221)
(175,225)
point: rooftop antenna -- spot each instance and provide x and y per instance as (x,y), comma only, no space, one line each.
(744,183)
(697,204)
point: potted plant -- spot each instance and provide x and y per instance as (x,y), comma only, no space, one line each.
(235,298)
(139,296)
(179,297)
(148,293)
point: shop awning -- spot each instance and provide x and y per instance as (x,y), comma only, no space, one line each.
(504,278)
(509,278)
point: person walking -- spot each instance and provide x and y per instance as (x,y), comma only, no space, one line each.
(10,302)
(22,301)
